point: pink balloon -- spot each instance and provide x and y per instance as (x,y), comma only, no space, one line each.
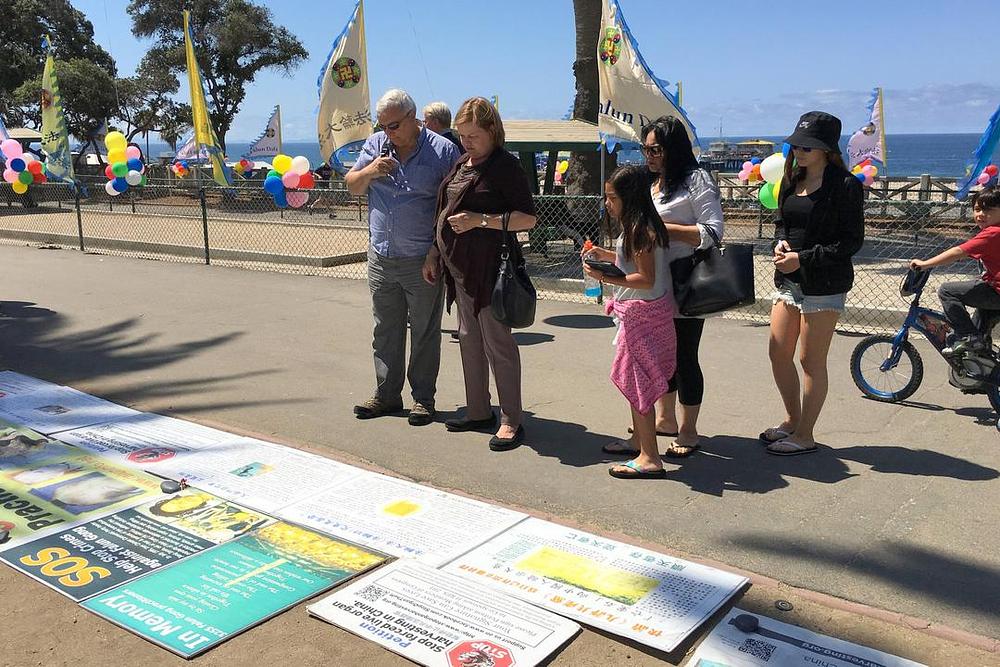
(11,148)
(869,179)
(133,152)
(868,170)
(290,179)
(296,199)
(9,175)
(747,166)
(983,179)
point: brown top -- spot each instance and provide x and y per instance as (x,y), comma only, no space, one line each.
(472,260)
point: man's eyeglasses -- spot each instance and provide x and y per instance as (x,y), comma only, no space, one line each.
(392,127)
(652,150)
(804,149)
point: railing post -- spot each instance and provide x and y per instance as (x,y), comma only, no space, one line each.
(204,223)
(925,187)
(79,219)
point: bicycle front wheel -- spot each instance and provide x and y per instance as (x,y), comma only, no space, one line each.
(889,386)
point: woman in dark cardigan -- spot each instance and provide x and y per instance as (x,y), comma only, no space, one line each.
(484,184)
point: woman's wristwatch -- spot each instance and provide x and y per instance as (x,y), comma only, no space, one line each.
(484,221)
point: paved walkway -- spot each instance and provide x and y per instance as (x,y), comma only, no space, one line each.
(899,512)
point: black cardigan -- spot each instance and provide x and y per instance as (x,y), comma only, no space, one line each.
(835,231)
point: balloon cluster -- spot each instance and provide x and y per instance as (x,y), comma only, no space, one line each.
(750,171)
(289,173)
(242,166)
(23,169)
(772,168)
(180,168)
(561,168)
(865,172)
(988,176)
(125,167)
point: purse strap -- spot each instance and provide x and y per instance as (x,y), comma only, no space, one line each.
(715,237)
(504,250)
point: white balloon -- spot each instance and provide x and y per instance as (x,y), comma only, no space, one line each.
(27,157)
(133,177)
(300,164)
(773,168)
(109,188)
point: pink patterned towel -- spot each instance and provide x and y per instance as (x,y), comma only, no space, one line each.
(647,349)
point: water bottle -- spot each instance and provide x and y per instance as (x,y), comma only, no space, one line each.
(591,286)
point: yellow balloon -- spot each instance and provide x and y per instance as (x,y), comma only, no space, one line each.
(562,166)
(115,140)
(116,155)
(282,163)
(19,187)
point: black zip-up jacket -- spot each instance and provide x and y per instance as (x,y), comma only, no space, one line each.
(834,233)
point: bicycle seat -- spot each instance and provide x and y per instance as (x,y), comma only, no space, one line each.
(914,282)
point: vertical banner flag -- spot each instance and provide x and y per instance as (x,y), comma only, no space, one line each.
(631,95)
(55,136)
(190,150)
(981,157)
(345,119)
(3,131)
(868,143)
(204,135)
(268,144)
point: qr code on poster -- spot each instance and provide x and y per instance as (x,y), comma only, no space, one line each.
(758,649)
(372,593)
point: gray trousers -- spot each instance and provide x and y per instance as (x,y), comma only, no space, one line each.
(399,292)
(485,344)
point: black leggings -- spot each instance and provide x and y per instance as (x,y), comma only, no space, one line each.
(688,379)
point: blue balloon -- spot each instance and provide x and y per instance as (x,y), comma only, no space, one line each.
(755,160)
(786,148)
(119,184)
(860,176)
(274,185)
(17,164)
(135,164)
(184,163)
(279,198)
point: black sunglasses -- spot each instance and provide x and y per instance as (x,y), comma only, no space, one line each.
(392,127)
(653,150)
(804,149)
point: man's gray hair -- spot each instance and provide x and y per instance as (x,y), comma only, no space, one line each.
(395,98)
(440,112)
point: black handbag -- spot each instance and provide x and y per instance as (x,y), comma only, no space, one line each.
(513,301)
(715,279)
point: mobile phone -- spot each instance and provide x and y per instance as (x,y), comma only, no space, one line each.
(386,149)
(607,268)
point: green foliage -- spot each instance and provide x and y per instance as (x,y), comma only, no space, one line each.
(88,96)
(146,105)
(233,41)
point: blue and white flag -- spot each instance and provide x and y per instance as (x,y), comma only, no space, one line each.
(268,144)
(631,95)
(3,131)
(981,157)
(868,143)
(190,150)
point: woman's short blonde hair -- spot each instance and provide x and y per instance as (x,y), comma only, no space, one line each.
(479,111)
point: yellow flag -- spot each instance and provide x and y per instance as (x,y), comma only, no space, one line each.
(204,135)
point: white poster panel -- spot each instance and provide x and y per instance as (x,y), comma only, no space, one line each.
(401,518)
(649,597)
(441,620)
(145,440)
(258,474)
(750,640)
(55,409)
(14,384)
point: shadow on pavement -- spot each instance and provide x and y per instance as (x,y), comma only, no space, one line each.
(903,461)
(580,321)
(907,568)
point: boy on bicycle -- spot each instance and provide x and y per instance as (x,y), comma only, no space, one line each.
(980,294)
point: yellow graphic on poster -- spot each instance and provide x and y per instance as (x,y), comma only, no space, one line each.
(298,544)
(610,582)
(39,495)
(205,516)
(401,508)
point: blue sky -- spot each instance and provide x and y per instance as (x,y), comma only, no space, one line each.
(754,66)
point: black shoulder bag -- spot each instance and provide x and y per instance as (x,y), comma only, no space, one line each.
(513,302)
(715,279)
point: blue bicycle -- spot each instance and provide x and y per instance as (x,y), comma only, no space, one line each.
(888,368)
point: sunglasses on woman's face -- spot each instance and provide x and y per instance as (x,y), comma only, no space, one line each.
(804,149)
(652,150)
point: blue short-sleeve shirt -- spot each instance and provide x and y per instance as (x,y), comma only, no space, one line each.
(401,206)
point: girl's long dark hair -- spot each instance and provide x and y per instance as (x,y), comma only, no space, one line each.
(642,228)
(678,155)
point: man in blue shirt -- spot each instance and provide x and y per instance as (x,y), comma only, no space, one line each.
(400,169)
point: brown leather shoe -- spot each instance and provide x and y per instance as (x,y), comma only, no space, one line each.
(375,407)
(420,415)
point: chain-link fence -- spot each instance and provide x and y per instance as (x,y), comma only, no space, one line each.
(188,221)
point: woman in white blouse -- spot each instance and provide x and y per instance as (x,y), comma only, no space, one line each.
(688,203)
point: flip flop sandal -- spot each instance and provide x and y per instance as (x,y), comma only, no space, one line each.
(663,433)
(639,473)
(795,451)
(625,449)
(679,451)
(773,434)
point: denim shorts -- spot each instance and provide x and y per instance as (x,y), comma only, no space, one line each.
(791,293)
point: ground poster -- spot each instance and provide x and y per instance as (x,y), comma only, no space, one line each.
(255,473)
(46,486)
(651,598)
(98,555)
(202,601)
(14,384)
(55,409)
(439,619)
(750,640)
(145,440)
(401,518)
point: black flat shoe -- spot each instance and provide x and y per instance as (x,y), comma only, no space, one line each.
(460,425)
(498,444)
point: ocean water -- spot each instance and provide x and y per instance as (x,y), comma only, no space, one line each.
(909,154)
